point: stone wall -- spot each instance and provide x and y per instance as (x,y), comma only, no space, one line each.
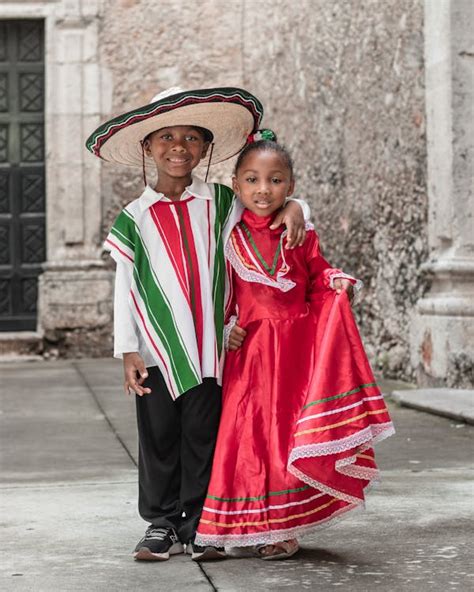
(342,84)
(442,328)
(150,45)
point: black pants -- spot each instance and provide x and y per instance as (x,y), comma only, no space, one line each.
(176,446)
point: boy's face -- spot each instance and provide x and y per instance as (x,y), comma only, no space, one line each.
(176,150)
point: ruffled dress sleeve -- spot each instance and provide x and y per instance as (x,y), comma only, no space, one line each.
(321,274)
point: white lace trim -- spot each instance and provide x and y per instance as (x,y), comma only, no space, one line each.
(340,495)
(281,283)
(228,328)
(359,472)
(275,536)
(373,433)
(363,440)
(356,283)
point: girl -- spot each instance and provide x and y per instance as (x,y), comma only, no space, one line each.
(301,409)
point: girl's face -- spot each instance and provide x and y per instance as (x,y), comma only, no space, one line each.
(263,182)
(176,150)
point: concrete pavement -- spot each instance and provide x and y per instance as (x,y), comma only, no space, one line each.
(68,501)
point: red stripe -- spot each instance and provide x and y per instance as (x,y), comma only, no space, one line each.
(192,266)
(209,234)
(118,249)
(173,396)
(169,231)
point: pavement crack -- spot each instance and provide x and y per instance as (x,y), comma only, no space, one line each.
(94,396)
(208,577)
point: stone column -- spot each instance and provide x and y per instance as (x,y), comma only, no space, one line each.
(442,335)
(75,290)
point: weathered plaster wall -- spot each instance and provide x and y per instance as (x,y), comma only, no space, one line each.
(342,83)
(150,45)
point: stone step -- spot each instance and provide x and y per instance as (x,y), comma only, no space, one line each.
(21,346)
(454,403)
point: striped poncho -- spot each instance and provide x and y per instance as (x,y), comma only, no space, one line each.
(174,254)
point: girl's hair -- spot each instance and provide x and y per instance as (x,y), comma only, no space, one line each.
(261,146)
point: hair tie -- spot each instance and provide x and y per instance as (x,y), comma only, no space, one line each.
(263,134)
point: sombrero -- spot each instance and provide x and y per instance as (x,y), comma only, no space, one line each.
(230,114)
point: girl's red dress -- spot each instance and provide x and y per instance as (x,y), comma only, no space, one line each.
(301,409)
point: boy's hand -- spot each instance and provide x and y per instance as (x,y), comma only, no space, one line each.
(292,216)
(341,284)
(135,374)
(236,337)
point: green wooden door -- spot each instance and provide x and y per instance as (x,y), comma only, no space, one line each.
(22,171)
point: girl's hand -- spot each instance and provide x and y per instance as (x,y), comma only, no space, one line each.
(236,337)
(292,216)
(341,284)
(135,374)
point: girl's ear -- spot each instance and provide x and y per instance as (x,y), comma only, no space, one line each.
(235,185)
(291,187)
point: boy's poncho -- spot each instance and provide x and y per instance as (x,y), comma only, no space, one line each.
(174,252)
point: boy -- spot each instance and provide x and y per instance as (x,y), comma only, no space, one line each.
(169,296)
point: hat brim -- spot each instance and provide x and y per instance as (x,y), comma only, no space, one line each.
(230,114)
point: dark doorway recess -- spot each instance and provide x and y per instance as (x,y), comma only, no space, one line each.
(22,171)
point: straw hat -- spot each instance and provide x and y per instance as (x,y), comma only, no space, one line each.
(230,114)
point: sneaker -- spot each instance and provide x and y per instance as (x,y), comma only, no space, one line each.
(158,544)
(199,553)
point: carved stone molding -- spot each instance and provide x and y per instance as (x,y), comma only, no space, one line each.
(443,325)
(75,288)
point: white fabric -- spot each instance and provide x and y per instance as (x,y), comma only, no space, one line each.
(228,328)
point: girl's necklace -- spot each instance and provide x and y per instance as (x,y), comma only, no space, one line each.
(270,270)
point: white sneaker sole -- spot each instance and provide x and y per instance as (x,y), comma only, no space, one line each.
(144,553)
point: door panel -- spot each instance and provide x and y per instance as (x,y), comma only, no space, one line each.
(22,171)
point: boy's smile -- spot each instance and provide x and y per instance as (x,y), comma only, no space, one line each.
(263,182)
(176,150)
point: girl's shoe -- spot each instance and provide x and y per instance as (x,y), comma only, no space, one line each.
(280,550)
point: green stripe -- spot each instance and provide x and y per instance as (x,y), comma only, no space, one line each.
(161,317)
(346,394)
(231,207)
(122,238)
(224,199)
(124,228)
(271,270)
(258,497)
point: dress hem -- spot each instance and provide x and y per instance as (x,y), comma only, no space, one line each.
(276,536)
